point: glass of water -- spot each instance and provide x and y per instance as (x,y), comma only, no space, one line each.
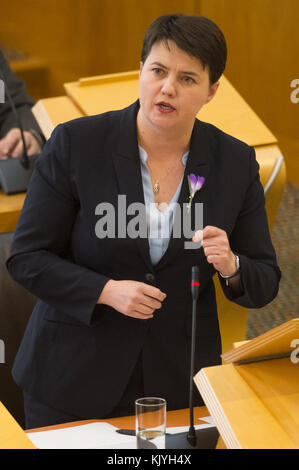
(150,422)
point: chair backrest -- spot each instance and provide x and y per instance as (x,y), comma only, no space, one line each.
(16,305)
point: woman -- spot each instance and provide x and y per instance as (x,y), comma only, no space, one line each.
(113,319)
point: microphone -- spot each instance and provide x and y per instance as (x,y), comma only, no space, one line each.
(194,438)
(15,173)
(194,291)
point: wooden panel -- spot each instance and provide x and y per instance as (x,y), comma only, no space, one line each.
(106,93)
(262,395)
(232,319)
(263,43)
(50,112)
(228,110)
(81,38)
(276,341)
(77,39)
(12,435)
(231,113)
(10,209)
(34,72)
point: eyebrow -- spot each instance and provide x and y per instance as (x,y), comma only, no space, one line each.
(182,71)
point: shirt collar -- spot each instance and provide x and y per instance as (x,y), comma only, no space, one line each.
(143,155)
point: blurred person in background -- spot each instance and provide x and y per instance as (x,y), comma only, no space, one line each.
(10,136)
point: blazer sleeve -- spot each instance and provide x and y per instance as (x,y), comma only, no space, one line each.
(251,241)
(40,252)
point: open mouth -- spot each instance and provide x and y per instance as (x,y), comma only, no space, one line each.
(165,107)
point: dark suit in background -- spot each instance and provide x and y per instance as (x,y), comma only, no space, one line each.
(77,355)
(23,103)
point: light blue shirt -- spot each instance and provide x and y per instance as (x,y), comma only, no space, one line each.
(159,224)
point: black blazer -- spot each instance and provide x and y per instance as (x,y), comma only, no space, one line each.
(77,355)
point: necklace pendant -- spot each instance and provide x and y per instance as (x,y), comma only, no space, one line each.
(156,187)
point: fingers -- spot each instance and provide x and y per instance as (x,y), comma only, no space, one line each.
(197,237)
(215,244)
(147,300)
(209,235)
(153,292)
(17,150)
(32,144)
(145,311)
(8,143)
(12,144)
(216,248)
(139,315)
(132,298)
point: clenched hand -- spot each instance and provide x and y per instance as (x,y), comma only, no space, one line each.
(132,298)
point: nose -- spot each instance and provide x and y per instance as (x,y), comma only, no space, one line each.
(168,87)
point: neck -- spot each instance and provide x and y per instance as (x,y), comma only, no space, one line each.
(162,142)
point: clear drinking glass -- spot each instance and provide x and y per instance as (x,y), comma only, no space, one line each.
(150,423)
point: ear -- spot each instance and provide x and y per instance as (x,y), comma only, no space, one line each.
(212,91)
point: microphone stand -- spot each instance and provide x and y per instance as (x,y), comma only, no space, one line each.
(195,438)
(191,436)
(15,173)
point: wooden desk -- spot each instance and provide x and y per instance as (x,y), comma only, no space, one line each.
(13,437)
(10,208)
(174,418)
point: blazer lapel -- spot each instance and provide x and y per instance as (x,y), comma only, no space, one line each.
(199,163)
(128,173)
(128,170)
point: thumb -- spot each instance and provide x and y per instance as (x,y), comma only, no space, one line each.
(197,237)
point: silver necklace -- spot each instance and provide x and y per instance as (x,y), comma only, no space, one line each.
(156,185)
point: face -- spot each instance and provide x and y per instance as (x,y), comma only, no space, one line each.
(173,86)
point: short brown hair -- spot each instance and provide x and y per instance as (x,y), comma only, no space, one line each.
(196,35)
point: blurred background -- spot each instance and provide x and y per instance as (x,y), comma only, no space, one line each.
(52,42)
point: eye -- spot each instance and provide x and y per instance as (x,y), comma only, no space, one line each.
(187,79)
(157,71)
